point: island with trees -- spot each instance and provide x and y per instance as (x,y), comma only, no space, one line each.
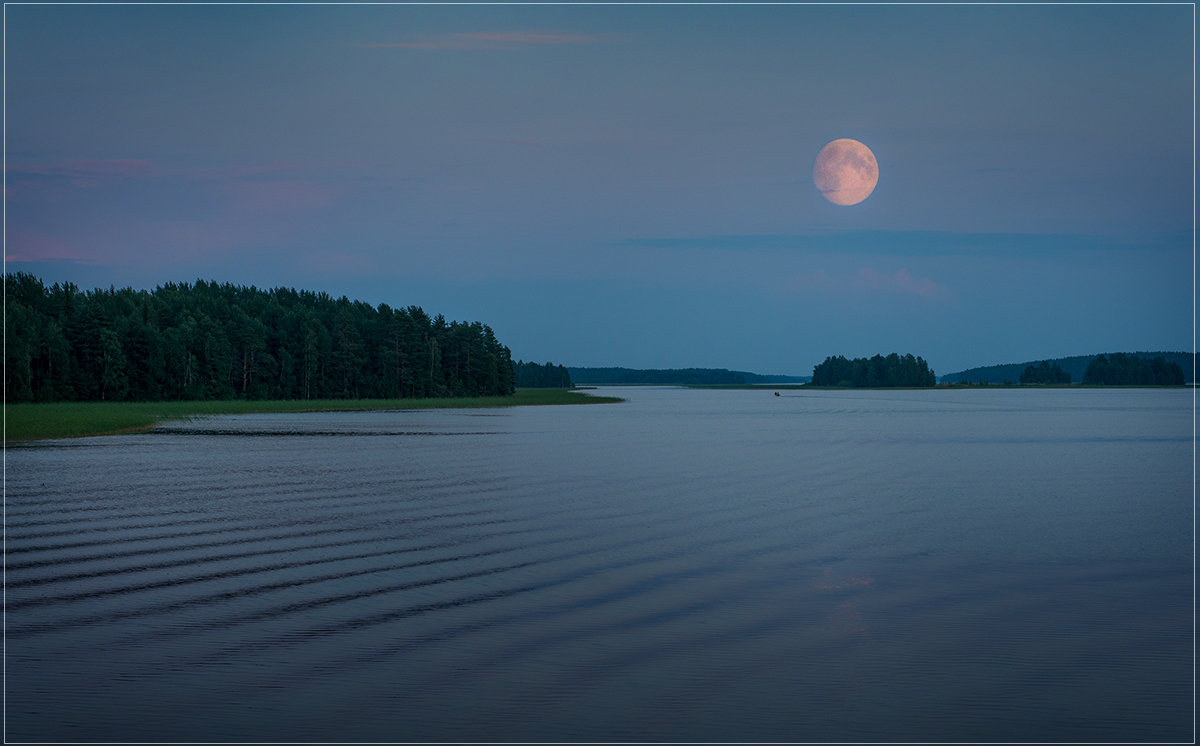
(891,371)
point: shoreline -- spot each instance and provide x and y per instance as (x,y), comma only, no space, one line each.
(938,387)
(28,422)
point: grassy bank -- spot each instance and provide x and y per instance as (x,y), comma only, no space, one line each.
(75,419)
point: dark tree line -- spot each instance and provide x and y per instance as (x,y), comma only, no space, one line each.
(548,376)
(1045,372)
(674,376)
(220,341)
(1075,366)
(1120,369)
(875,372)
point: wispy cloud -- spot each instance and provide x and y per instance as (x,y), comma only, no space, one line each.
(33,246)
(91,166)
(901,281)
(914,243)
(174,214)
(273,185)
(137,168)
(492,40)
(867,281)
(87,173)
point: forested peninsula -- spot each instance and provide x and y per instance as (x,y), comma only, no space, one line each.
(206,341)
(1125,371)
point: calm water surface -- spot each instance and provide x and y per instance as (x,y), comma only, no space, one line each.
(689,565)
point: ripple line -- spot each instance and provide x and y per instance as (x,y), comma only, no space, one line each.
(287,608)
(208,544)
(342,503)
(29,582)
(240,572)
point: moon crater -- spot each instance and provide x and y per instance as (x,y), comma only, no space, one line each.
(846,171)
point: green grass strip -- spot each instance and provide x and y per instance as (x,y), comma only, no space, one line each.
(77,419)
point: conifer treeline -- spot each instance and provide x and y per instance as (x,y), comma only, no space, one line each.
(549,376)
(1121,369)
(219,341)
(1045,372)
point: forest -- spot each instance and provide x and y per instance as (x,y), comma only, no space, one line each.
(1120,369)
(206,340)
(548,376)
(675,377)
(1074,366)
(875,372)
(1044,372)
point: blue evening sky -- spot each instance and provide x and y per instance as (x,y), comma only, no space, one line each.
(628,184)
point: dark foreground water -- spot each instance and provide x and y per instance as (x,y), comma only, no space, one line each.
(690,565)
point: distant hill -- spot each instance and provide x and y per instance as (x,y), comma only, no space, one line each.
(675,377)
(1011,372)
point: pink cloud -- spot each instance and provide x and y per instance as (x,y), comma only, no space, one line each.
(493,40)
(162,242)
(901,281)
(245,170)
(30,246)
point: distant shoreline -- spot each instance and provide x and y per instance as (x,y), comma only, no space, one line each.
(938,387)
(45,421)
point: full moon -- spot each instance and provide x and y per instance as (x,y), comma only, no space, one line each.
(845,172)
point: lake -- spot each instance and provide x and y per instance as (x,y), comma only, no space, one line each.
(690,565)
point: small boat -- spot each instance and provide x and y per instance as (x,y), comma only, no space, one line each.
(776,393)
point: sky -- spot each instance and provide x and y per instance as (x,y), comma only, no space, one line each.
(628,185)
